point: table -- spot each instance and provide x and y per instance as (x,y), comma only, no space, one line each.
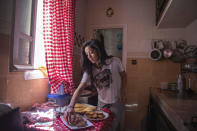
(104,125)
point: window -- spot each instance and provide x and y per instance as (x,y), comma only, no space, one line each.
(27,42)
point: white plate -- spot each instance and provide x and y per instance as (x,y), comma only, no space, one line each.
(105,114)
(89,124)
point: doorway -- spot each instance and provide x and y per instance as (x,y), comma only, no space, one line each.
(112,41)
(115,40)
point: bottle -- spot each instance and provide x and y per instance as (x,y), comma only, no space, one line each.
(180,84)
(61,89)
(184,82)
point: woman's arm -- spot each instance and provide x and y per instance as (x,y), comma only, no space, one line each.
(76,94)
(123,89)
(69,114)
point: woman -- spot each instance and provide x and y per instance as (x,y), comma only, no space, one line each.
(104,72)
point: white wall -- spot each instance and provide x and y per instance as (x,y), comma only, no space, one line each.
(80,16)
(138,15)
(191,33)
(80,20)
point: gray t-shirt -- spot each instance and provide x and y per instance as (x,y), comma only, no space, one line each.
(107,80)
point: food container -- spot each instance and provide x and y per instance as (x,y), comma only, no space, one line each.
(61,100)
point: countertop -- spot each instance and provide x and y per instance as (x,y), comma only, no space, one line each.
(179,109)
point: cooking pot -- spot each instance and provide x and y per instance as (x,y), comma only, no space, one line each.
(155,53)
(190,51)
(178,56)
(167,53)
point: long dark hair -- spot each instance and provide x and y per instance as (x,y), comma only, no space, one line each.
(99,47)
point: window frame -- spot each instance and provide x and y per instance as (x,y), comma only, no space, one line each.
(16,35)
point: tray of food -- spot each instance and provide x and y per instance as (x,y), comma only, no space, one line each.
(96,115)
(78,123)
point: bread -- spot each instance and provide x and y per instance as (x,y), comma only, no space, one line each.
(78,105)
(89,109)
(82,108)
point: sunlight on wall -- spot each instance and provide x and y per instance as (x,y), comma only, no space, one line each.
(39,58)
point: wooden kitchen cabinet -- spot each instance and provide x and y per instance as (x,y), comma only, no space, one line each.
(158,121)
(169,111)
(175,13)
(160,6)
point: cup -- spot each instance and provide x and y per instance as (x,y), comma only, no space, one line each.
(164,85)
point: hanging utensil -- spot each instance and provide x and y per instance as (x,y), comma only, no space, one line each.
(155,53)
(178,56)
(181,44)
(167,52)
(191,51)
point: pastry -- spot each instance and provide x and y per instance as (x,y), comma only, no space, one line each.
(78,121)
(95,115)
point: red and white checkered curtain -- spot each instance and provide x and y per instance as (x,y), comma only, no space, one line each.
(58,20)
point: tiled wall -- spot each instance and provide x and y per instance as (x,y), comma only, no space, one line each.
(140,78)
(13,88)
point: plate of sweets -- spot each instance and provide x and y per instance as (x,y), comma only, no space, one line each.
(96,115)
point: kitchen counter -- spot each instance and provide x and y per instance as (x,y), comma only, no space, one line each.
(178,109)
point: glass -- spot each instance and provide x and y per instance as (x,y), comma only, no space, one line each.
(26,17)
(24,51)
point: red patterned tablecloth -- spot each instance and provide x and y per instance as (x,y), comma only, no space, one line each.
(104,125)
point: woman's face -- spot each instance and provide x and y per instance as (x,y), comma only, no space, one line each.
(91,54)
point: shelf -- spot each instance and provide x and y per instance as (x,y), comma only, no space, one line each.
(177,14)
(191,69)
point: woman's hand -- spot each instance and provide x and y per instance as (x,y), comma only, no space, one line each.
(123,98)
(69,114)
